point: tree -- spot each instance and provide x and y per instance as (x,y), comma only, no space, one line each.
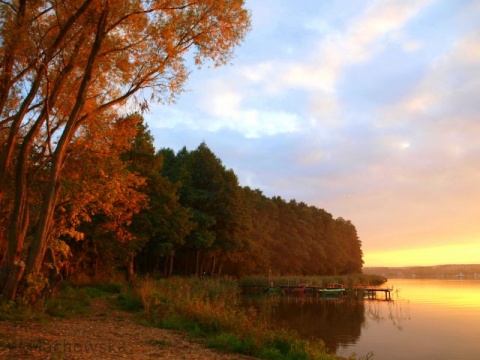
(258,258)
(350,246)
(164,224)
(215,200)
(98,199)
(64,65)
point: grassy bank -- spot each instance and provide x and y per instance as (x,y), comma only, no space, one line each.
(207,308)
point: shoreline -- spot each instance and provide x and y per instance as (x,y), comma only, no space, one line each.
(105,333)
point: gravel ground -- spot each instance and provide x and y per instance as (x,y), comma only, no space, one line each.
(103,334)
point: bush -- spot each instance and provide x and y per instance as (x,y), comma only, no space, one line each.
(129,302)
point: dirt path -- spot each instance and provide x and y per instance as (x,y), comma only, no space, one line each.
(104,334)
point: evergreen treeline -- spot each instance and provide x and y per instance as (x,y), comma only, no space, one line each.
(201,221)
(125,205)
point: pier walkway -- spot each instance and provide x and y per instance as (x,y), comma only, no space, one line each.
(370,292)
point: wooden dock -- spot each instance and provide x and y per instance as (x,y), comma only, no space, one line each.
(369,292)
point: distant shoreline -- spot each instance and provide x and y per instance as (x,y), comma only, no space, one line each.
(450,271)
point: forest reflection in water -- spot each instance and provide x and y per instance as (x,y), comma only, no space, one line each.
(335,321)
(338,322)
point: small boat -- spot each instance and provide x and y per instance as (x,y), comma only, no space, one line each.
(298,290)
(331,292)
(335,286)
(273,290)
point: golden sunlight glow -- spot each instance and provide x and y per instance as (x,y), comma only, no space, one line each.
(438,291)
(468,253)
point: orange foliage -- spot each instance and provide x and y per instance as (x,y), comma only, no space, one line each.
(66,68)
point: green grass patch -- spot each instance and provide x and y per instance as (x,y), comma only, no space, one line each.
(110,288)
(129,302)
(17,311)
(174,322)
(68,303)
(100,290)
(231,343)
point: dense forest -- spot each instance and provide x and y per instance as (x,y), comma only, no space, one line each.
(195,218)
(201,221)
(135,209)
(82,188)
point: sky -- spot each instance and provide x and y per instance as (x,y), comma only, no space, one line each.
(367,109)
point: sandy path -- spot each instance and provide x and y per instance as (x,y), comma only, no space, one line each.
(104,334)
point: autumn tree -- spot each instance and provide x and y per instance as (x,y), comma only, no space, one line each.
(100,196)
(64,65)
(97,201)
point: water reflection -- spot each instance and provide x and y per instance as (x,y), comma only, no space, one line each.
(445,293)
(427,319)
(394,312)
(336,321)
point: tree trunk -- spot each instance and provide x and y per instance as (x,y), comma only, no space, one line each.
(6,83)
(15,273)
(19,221)
(202,265)
(197,262)
(40,241)
(20,216)
(12,272)
(172,255)
(212,274)
(131,269)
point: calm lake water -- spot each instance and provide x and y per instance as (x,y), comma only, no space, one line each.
(426,319)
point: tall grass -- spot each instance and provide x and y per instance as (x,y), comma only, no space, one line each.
(209,307)
(350,281)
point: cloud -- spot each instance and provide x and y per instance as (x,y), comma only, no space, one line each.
(372,115)
(255,98)
(428,182)
(405,174)
(360,41)
(446,95)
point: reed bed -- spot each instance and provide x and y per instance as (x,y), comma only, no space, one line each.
(209,308)
(350,281)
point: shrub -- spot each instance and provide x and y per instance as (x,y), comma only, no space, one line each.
(129,302)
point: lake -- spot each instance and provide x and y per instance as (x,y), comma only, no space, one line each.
(426,319)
